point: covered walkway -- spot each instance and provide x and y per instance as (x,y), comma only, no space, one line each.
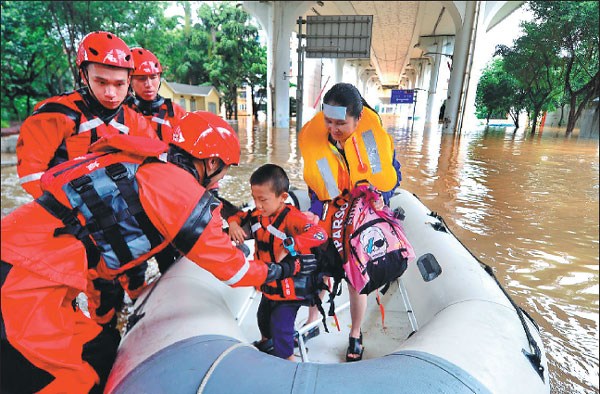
(428,46)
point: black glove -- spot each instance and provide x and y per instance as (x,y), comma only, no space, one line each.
(308,263)
(290,266)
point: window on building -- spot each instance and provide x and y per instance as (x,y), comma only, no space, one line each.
(212,107)
(192,105)
(182,102)
(242,107)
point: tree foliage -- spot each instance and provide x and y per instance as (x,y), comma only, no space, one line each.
(40,39)
(573,26)
(33,64)
(532,61)
(234,49)
(498,93)
(556,60)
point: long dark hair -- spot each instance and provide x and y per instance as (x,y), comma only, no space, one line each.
(347,95)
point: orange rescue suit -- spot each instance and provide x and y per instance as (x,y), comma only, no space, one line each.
(162,114)
(269,233)
(47,271)
(63,127)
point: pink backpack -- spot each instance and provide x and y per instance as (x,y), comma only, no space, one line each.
(377,249)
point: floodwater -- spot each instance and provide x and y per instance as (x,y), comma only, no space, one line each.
(527,206)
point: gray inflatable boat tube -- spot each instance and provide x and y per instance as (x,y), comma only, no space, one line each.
(468,336)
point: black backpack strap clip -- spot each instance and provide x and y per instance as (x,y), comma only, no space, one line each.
(72,225)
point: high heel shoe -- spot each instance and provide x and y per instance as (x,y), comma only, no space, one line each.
(355,349)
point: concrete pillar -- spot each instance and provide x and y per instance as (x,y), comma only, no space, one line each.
(459,68)
(423,69)
(432,111)
(278,19)
(339,73)
(475,71)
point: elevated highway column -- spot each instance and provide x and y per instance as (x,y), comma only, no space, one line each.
(460,68)
(278,19)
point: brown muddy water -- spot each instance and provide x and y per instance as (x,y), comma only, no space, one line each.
(527,206)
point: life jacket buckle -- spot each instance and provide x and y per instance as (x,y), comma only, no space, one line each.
(116,171)
(82,183)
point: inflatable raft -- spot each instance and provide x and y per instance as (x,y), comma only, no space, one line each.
(449,327)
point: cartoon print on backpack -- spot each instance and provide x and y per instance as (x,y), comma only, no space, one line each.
(373,242)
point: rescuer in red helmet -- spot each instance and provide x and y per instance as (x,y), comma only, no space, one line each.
(100,216)
(63,127)
(161,112)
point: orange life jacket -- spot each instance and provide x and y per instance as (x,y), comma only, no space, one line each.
(369,156)
(101,188)
(62,128)
(162,114)
(269,238)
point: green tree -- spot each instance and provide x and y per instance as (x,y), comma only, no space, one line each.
(573,27)
(498,93)
(186,51)
(533,63)
(233,50)
(33,65)
(40,40)
(136,22)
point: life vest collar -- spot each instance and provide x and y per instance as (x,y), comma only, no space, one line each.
(138,146)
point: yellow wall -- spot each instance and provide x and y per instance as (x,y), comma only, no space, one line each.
(244,103)
(203,103)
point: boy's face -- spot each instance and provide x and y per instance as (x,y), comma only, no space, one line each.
(267,203)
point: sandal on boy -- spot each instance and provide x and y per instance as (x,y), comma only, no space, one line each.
(264,345)
(355,348)
(313,332)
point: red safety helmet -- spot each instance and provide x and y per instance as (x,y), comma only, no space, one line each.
(203,135)
(145,62)
(104,48)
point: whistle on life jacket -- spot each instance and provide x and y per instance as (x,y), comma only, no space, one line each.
(289,244)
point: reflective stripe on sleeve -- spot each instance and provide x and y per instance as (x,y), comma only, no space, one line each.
(30,178)
(121,127)
(90,124)
(161,121)
(238,275)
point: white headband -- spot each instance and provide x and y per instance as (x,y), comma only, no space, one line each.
(334,112)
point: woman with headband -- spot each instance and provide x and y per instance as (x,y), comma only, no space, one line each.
(344,145)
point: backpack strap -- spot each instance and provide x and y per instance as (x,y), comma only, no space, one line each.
(159,119)
(91,123)
(60,109)
(169,105)
(103,217)
(118,173)
(196,222)
(72,225)
(61,155)
(274,231)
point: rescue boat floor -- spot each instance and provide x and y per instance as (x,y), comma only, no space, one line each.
(379,339)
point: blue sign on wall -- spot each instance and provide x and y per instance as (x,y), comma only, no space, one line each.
(400,96)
